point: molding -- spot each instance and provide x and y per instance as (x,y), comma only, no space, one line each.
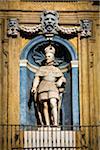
(25,63)
(38,6)
(33,68)
(74,63)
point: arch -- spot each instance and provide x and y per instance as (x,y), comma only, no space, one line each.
(41,39)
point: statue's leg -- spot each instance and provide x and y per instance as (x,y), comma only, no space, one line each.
(46,113)
(53,105)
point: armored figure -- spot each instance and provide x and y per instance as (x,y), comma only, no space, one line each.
(47,85)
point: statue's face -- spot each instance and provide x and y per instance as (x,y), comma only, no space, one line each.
(49,57)
(49,22)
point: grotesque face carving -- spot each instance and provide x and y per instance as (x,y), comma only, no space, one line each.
(49,20)
(12,26)
(86,27)
(12,23)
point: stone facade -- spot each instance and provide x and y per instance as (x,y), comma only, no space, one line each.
(87,49)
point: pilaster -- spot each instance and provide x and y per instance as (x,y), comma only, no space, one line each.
(14,87)
(97,73)
(4,74)
(91,53)
(0,68)
(84,82)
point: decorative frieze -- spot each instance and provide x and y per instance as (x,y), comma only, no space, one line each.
(49,27)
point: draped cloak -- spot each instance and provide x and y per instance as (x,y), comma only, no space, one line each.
(47,87)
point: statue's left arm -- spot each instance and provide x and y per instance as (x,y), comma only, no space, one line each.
(61,81)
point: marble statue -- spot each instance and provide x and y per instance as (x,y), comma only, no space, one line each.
(47,85)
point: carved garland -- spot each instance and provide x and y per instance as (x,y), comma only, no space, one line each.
(49,27)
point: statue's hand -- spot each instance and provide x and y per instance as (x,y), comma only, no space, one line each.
(33,90)
(58,84)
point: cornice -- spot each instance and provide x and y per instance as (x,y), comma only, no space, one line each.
(40,6)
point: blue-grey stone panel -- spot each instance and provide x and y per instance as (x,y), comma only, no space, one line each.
(27,116)
(75,96)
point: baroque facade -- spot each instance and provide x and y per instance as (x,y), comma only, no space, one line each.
(14,40)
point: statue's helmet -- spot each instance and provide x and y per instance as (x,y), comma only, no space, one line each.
(49,49)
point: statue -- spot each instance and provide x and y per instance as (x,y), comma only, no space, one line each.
(47,86)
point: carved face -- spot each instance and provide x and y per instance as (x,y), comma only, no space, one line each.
(12,26)
(49,57)
(13,23)
(49,22)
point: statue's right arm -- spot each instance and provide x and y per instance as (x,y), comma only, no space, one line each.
(35,84)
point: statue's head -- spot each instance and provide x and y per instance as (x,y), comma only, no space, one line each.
(50,49)
(49,20)
(49,54)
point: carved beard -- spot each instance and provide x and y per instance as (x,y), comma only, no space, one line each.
(49,28)
(50,63)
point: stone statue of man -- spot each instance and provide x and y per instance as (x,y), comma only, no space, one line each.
(47,84)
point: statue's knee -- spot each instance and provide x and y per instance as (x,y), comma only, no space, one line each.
(45,105)
(53,103)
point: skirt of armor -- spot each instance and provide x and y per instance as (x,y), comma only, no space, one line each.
(48,95)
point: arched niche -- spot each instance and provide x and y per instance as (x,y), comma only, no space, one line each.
(69,66)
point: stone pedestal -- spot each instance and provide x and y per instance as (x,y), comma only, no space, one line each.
(49,138)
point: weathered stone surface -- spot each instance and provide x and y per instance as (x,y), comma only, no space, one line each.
(69,15)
